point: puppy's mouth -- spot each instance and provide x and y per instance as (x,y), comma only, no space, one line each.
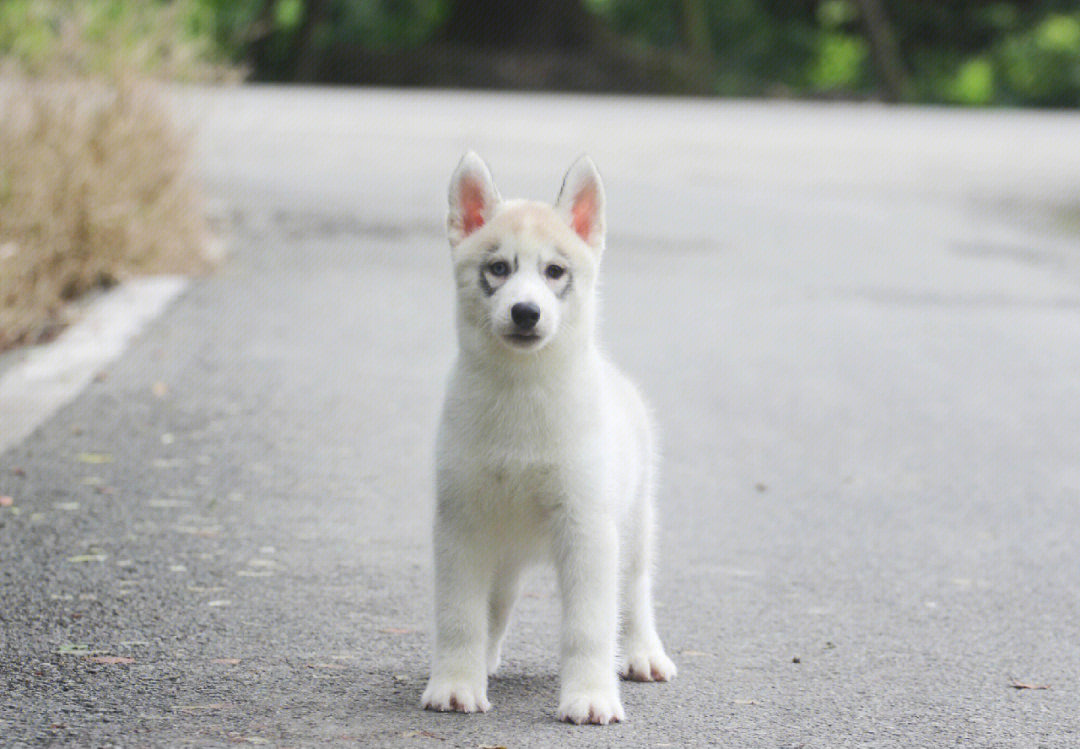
(522,340)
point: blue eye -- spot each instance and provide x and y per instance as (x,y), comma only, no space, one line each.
(499,268)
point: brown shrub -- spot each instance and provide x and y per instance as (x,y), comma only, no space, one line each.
(95,185)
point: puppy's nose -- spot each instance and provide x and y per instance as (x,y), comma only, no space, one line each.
(525,315)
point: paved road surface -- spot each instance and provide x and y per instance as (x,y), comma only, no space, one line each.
(860,330)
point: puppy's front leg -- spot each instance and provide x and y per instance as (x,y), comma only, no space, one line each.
(462,579)
(587,565)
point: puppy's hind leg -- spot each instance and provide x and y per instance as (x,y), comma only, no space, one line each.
(643,656)
(504,593)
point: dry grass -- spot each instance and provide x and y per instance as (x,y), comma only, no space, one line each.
(95,185)
(95,179)
(111,39)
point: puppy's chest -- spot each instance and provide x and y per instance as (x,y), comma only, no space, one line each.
(521,447)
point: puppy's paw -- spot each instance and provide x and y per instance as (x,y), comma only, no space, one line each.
(446,695)
(599,706)
(648,664)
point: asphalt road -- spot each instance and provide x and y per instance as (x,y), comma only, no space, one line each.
(859,328)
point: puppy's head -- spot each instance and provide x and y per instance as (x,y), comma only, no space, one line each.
(525,270)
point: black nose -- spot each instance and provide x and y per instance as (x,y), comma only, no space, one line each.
(525,315)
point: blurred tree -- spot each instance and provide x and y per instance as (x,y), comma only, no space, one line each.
(883,50)
(540,24)
(963,51)
(532,44)
(303,53)
(695,30)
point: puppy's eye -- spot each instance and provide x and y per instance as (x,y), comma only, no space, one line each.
(554,272)
(499,268)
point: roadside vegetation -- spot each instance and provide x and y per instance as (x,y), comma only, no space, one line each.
(95,180)
(965,52)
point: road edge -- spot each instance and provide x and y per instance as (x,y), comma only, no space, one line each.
(52,375)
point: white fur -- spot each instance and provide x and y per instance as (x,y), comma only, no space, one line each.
(544,453)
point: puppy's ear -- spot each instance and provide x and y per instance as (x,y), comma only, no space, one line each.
(473,198)
(581,202)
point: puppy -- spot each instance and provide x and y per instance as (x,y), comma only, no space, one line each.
(544,453)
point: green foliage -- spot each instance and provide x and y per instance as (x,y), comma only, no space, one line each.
(653,23)
(1042,65)
(973,84)
(391,23)
(841,62)
(969,52)
(108,37)
(832,14)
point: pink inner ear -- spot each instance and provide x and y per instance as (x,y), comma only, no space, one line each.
(472,206)
(584,212)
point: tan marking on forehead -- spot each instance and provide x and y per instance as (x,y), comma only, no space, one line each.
(536,219)
(531,223)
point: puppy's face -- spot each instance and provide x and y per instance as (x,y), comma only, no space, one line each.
(525,270)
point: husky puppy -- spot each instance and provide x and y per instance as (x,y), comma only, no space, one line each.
(544,453)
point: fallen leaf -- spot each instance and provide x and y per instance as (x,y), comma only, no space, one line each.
(746,702)
(159,389)
(84,558)
(221,602)
(425,734)
(95,458)
(204,708)
(398,631)
(163,503)
(110,660)
(6,501)
(167,462)
(226,661)
(263,563)
(1024,685)
(76,649)
(211,531)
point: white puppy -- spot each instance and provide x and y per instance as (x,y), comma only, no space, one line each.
(545,453)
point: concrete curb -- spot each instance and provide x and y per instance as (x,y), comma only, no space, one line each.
(52,375)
